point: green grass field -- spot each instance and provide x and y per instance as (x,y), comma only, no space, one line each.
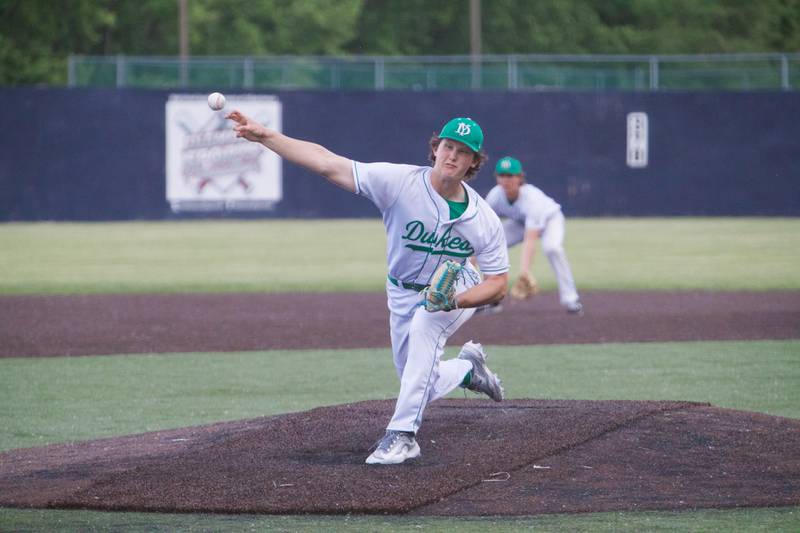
(60,399)
(712,521)
(349,255)
(50,400)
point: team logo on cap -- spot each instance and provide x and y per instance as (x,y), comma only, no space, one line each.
(463,129)
(505,164)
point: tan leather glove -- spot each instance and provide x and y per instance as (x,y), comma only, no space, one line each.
(524,287)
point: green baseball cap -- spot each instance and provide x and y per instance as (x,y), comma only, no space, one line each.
(464,130)
(508,165)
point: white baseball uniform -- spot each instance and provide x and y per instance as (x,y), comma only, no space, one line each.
(534,210)
(420,235)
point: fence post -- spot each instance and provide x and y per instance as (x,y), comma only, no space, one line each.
(380,73)
(785,73)
(184,71)
(121,78)
(336,75)
(512,73)
(653,73)
(638,79)
(71,71)
(247,74)
(477,66)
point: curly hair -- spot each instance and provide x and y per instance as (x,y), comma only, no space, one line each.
(480,157)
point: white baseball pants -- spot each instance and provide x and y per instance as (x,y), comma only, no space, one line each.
(418,340)
(552,238)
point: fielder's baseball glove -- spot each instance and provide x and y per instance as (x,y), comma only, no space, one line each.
(441,294)
(524,287)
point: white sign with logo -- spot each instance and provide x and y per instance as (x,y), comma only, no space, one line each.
(208,167)
(637,140)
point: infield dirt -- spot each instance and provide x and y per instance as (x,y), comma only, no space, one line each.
(520,457)
(161,323)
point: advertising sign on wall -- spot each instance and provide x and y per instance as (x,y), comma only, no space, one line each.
(208,168)
(637,140)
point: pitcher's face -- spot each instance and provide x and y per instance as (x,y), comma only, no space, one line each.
(454,159)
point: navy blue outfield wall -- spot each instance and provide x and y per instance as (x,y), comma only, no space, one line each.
(86,154)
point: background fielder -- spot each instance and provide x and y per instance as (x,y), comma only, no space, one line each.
(530,215)
(431,216)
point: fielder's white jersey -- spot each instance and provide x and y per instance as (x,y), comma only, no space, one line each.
(420,234)
(532,208)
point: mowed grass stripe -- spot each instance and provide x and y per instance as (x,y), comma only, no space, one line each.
(48,400)
(750,520)
(349,255)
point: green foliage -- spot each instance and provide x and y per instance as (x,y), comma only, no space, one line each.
(640,27)
(272,27)
(36,36)
(148,26)
(412,27)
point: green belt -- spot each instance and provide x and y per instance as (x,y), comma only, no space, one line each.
(412,286)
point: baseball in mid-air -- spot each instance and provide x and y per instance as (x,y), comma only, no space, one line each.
(216,101)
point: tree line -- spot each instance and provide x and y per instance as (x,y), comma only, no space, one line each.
(37,36)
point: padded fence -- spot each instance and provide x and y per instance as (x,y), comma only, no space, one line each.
(99,154)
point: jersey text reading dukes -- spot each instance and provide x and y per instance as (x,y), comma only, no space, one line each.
(444,245)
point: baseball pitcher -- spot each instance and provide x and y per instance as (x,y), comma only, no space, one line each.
(434,223)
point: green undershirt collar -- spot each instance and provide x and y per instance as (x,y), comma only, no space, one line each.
(457,208)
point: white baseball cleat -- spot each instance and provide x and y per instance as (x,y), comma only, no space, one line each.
(394,448)
(482,380)
(575,308)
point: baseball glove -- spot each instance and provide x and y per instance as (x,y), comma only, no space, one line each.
(441,294)
(524,287)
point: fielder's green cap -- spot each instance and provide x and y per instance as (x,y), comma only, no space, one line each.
(508,165)
(464,130)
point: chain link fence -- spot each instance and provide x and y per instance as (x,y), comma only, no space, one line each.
(734,72)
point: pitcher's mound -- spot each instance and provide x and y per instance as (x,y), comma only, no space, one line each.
(478,458)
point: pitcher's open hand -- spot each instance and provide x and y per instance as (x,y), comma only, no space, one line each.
(247,127)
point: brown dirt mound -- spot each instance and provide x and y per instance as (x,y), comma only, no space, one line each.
(516,458)
(118,324)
